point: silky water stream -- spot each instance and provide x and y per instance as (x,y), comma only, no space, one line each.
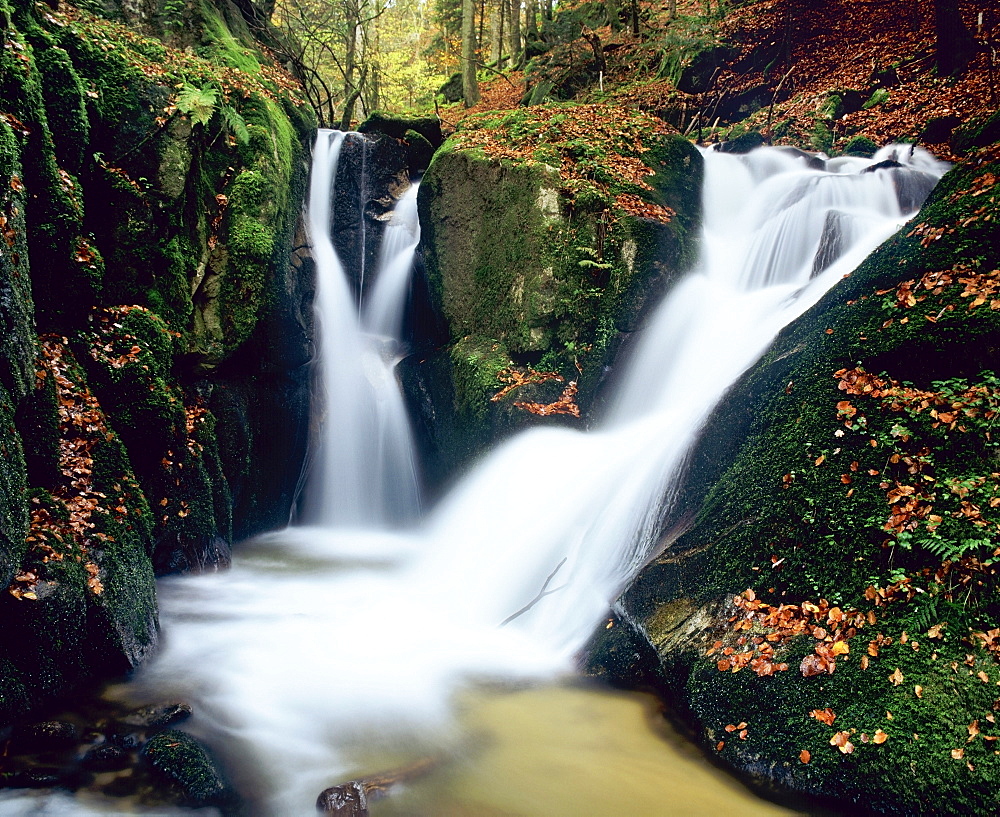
(369,639)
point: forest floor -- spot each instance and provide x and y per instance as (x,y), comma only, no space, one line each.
(877,57)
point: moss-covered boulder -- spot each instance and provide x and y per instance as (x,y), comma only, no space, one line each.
(830,623)
(546,234)
(185,764)
(148,199)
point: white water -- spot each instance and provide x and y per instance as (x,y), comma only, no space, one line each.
(326,644)
(362,471)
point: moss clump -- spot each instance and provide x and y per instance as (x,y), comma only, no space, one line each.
(879,95)
(859,146)
(65,107)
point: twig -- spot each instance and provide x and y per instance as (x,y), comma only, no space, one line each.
(770,109)
(541,595)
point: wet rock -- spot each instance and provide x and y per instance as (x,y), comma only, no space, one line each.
(39,778)
(47,777)
(106,758)
(346,800)
(125,739)
(742,144)
(158,716)
(939,129)
(47,736)
(699,76)
(181,760)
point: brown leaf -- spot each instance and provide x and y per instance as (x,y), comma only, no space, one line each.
(879,737)
(896,677)
(958,754)
(842,741)
(804,756)
(827,716)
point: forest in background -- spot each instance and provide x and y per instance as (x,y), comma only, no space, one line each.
(818,72)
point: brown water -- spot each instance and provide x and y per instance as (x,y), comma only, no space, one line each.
(572,752)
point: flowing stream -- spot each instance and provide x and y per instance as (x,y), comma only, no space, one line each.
(338,649)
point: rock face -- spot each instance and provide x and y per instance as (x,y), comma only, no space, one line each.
(148,209)
(527,277)
(849,524)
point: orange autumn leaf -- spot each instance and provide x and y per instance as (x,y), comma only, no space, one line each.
(826,716)
(840,648)
(896,677)
(804,756)
(842,741)
(879,737)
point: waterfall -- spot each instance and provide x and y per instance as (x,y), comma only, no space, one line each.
(362,470)
(321,643)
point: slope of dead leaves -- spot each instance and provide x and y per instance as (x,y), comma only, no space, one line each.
(857,44)
(813,49)
(54,537)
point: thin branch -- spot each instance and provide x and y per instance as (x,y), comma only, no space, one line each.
(541,595)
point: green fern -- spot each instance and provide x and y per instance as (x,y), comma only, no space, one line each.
(235,124)
(198,103)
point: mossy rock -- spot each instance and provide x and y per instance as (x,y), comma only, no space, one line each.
(533,270)
(860,146)
(13,487)
(429,127)
(799,473)
(183,762)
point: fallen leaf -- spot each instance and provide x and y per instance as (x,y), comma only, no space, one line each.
(804,756)
(827,716)
(896,677)
(879,737)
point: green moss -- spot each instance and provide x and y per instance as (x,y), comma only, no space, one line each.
(37,422)
(476,363)
(16,306)
(821,137)
(65,106)
(13,485)
(859,146)
(879,95)
(552,266)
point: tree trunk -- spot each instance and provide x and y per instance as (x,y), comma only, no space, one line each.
(531,20)
(547,11)
(470,85)
(351,90)
(613,11)
(955,45)
(514,33)
(496,36)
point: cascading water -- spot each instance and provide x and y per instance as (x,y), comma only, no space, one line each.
(362,470)
(323,645)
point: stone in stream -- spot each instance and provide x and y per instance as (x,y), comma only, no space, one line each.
(45,737)
(345,800)
(106,758)
(181,760)
(158,716)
